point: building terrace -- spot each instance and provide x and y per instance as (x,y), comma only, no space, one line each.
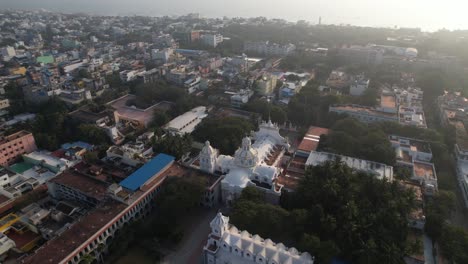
(91,187)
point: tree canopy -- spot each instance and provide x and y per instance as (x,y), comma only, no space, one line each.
(373,143)
(175,145)
(335,212)
(224,134)
(267,110)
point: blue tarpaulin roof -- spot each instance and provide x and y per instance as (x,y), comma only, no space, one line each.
(143,174)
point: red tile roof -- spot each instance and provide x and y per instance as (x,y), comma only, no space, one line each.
(311,139)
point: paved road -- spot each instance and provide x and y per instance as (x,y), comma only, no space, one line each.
(192,244)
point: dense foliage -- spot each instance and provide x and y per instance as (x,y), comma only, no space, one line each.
(224,134)
(175,145)
(348,133)
(151,93)
(267,110)
(336,212)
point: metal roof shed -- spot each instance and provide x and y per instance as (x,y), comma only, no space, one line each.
(143,174)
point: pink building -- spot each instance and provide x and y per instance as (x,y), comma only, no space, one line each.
(15,145)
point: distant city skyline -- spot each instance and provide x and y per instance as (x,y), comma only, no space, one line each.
(428,15)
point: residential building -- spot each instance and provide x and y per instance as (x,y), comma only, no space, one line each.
(417,155)
(195,54)
(164,41)
(362,55)
(269,49)
(289,89)
(212,40)
(48,160)
(408,149)
(186,123)
(227,244)
(338,79)
(177,76)
(14,185)
(15,145)
(8,52)
(127,76)
(241,98)
(192,83)
(359,86)
(131,154)
(162,55)
(265,84)
(412,116)
(5,245)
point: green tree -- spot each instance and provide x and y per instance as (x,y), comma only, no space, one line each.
(224,134)
(454,244)
(437,210)
(92,134)
(348,133)
(159,119)
(252,194)
(174,145)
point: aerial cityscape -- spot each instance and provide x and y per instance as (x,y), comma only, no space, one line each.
(223,140)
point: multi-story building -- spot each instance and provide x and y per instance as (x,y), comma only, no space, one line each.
(186,122)
(127,76)
(227,244)
(162,54)
(364,114)
(241,98)
(15,145)
(380,170)
(269,49)
(408,149)
(362,55)
(164,41)
(417,155)
(359,86)
(5,245)
(132,154)
(266,84)
(8,52)
(212,40)
(338,79)
(130,200)
(452,112)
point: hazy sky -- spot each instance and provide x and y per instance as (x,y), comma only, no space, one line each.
(427,14)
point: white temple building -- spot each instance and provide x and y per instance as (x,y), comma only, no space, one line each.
(254,164)
(227,244)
